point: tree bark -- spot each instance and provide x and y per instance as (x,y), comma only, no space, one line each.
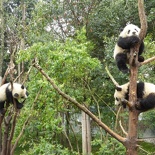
(133,113)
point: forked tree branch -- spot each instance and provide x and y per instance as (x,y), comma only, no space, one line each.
(80,106)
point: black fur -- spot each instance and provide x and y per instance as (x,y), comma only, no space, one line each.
(146,103)
(121,60)
(140,90)
(126,44)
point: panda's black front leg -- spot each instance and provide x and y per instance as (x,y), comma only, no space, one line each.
(121,59)
(141,49)
(128,42)
(146,103)
(2,108)
(18,104)
(133,40)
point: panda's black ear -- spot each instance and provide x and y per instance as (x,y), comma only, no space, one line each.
(22,87)
(118,88)
(121,29)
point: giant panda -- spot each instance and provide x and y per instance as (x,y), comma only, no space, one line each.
(145,95)
(7,94)
(127,39)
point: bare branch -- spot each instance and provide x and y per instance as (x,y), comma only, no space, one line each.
(80,106)
(27,74)
(18,76)
(147,61)
(143,19)
(111,77)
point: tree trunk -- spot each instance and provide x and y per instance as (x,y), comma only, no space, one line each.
(133,113)
(86,134)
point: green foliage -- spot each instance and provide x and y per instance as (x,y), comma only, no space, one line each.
(146,149)
(46,148)
(147,72)
(108,146)
(75,72)
(68,63)
(148,119)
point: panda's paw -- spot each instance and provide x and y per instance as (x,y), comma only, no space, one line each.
(137,105)
(2,112)
(140,58)
(134,40)
(19,105)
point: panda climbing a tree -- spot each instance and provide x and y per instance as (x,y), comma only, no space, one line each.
(145,95)
(128,38)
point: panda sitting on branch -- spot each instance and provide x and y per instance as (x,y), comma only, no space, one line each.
(128,38)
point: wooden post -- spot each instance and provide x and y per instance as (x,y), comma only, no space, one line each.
(86,134)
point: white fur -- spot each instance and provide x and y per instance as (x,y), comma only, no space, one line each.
(148,88)
(118,50)
(130,30)
(121,94)
(2,92)
(16,89)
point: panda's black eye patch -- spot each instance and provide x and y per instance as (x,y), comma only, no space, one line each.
(136,30)
(117,99)
(128,31)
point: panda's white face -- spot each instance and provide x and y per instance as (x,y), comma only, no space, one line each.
(120,92)
(130,30)
(19,91)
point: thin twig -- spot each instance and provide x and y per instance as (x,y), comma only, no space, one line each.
(27,74)
(111,77)
(120,123)
(118,111)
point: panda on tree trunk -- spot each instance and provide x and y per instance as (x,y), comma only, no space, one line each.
(127,39)
(7,95)
(145,95)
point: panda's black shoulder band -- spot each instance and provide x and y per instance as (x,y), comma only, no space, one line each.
(118,88)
